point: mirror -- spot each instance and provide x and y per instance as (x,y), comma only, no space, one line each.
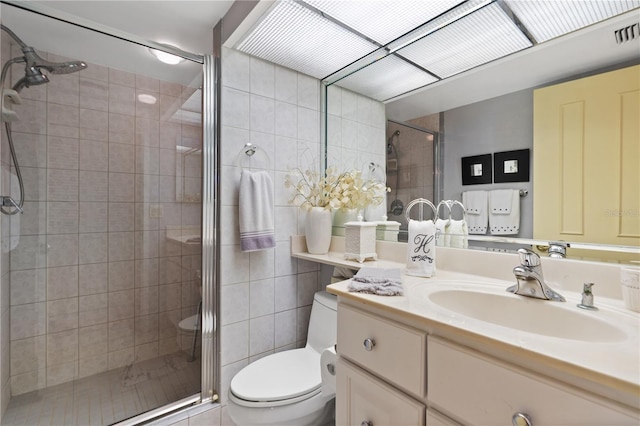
(491,122)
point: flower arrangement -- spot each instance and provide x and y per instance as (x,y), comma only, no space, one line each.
(332,190)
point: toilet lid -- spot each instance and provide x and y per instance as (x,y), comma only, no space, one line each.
(277,377)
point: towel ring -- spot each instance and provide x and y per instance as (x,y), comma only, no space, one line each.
(464,212)
(447,204)
(420,202)
(249,150)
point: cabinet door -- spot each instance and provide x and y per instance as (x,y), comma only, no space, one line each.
(436,419)
(363,400)
(586,159)
(391,350)
(479,390)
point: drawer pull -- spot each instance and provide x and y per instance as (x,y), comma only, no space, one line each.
(368,346)
(366,423)
(521,419)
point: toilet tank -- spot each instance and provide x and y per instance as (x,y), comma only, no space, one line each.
(323,322)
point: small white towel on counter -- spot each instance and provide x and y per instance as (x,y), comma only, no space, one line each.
(504,212)
(457,234)
(421,248)
(380,281)
(475,203)
(256,211)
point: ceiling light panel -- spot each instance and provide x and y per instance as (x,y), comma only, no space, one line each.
(480,37)
(386,78)
(298,38)
(383,20)
(552,18)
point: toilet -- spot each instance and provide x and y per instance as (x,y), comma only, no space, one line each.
(294,387)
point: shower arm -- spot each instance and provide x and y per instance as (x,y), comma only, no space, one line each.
(14,36)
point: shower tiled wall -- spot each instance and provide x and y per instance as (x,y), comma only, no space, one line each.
(266,296)
(96,282)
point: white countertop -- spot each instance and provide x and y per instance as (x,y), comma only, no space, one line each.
(610,369)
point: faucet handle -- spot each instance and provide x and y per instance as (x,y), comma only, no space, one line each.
(528,257)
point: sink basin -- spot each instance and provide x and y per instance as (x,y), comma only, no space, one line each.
(552,319)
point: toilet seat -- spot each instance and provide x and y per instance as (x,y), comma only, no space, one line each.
(279,379)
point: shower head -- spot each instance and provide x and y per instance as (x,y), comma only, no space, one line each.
(34,60)
(33,77)
(390,146)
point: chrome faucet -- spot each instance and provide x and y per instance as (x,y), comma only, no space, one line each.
(530,279)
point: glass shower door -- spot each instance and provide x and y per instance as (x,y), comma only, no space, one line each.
(103,268)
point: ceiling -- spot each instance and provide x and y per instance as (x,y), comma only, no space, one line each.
(189,24)
(404,51)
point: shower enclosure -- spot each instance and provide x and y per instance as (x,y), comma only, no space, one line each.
(103,284)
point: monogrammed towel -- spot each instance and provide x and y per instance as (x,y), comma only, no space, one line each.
(421,248)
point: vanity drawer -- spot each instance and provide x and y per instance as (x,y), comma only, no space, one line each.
(478,390)
(361,399)
(390,350)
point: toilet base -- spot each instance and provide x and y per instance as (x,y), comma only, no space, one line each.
(288,415)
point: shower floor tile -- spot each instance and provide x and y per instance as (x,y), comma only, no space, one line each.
(108,397)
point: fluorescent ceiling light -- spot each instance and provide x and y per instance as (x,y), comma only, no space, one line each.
(383,20)
(549,19)
(386,78)
(165,57)
(481,37)
(299,38)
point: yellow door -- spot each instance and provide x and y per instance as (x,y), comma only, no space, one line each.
(586,159)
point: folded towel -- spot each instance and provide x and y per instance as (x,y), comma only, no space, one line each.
(500,201)
(457,233)
(501,223)
(256,211)
(380,281)
(421,248)
(441,231)
(475,203)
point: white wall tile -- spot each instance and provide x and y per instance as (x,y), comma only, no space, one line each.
(261,298)
(307,287)
(234,342)
(121,275)
(285,328)
(62,185)
(236,70)
(28,286)
(94,155)
(121,158)
(286,85)
(62,282)
(62,217)
(236,111)
(93,217)
(262,77)
(262,114)
(62,250)
(308,92)
(94,94)
(261,332)
(28,354)
(262,264)
(308,124)
(93,309)
(92,278)
(121,217)
(29,252)
(236,303)
(62,314)
(236,265)
(62,153)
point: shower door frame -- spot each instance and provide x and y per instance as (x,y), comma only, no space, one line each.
(211,69)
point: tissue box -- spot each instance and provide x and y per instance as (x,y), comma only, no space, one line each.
(360,241)
(630,281)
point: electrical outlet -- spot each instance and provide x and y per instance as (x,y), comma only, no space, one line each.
(155,211)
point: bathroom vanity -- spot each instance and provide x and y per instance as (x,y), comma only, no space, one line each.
(458,349)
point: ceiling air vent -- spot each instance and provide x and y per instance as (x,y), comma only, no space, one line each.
(628,33)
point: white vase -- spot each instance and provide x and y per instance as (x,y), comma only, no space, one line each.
(318,230)
(341,217)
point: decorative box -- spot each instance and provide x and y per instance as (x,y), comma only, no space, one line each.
(360,241)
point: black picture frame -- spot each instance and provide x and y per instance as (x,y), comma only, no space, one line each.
(476,170)
(511,166)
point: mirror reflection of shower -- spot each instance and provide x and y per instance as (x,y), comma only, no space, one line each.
(33,76)
(397,206)
(410,165)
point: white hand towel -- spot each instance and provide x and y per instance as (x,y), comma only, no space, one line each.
(256,211)
(504,216)
(457,234)
(380,281)
(421,248)
(475,203)
(441,231)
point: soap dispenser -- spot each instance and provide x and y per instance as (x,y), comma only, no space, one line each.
(587,298)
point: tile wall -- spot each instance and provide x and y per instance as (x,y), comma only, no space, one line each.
(266,296)
(95,281)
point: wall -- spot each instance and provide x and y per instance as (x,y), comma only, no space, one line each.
(95,282)
(265,296)
(504,123)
